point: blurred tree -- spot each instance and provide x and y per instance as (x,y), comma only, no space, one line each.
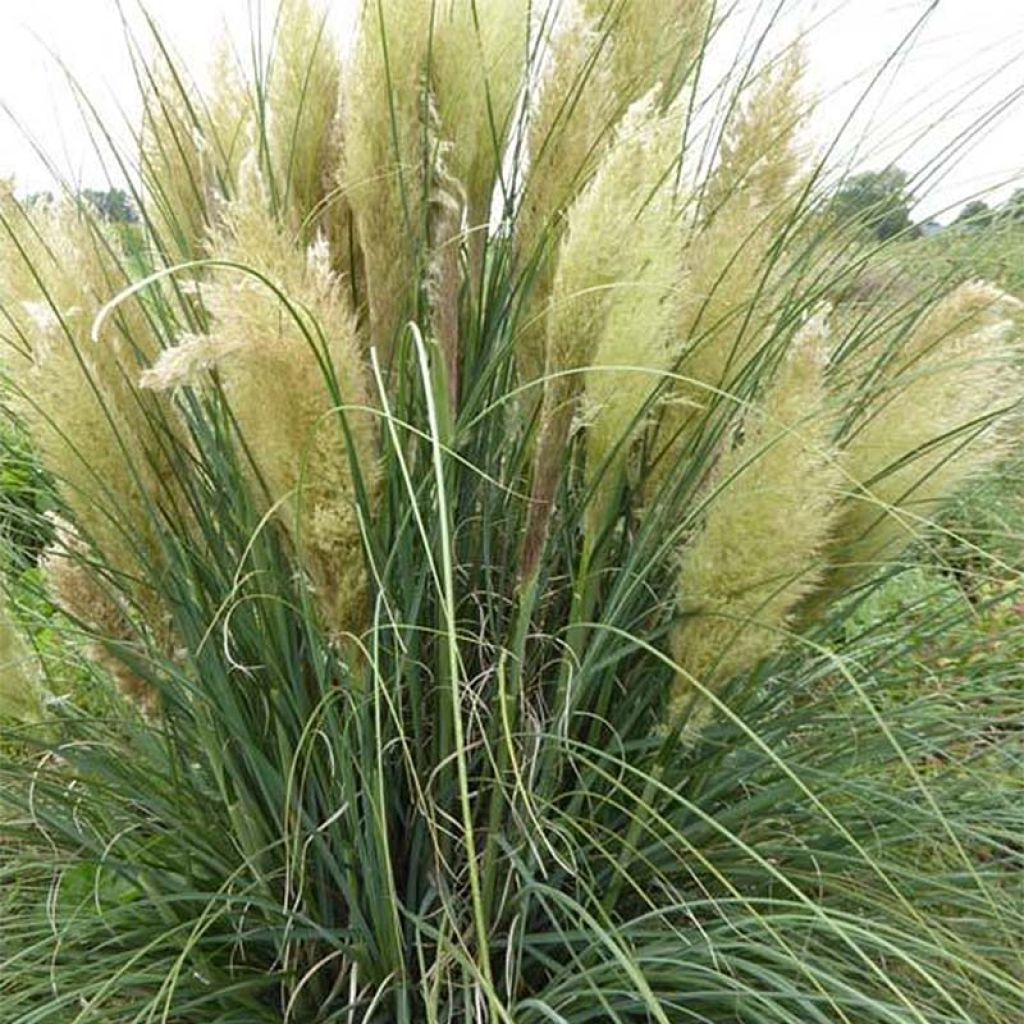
(112,205)
(879,201)
(1013,208)
(976,214)
(37,198)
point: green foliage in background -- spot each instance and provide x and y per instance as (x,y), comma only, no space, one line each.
(995,254)
(27,495)
(876,202)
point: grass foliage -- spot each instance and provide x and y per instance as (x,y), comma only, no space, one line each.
(499,562)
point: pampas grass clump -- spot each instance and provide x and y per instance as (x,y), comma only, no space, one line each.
(461,493)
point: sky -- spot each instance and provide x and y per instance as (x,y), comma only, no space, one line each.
(939,94)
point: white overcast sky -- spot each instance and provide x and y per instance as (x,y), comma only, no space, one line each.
(966,60)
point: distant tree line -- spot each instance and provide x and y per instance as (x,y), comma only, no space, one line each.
(112,205)
(978,214)
(880,202)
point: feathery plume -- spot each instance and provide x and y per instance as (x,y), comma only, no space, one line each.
(722,317)
(770,513)
(654,42)
(607,264)
(274,365)
(936,420)
(479,61)
(567,132)
(761,155)
(303,95)
(384,123)
(229,117)
(604,56)
(96,434)
(171,161)
(443,273)
(639,319)
(730,261)
(76,584)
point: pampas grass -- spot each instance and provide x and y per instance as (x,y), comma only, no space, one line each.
(459,489)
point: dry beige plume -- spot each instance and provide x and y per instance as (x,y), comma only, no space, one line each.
(268,352)
(727,279)
(229,116)
(78,588)
(174,172)
(94,431)
(385,113)
(770,512)
(936,419)
(303,94)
